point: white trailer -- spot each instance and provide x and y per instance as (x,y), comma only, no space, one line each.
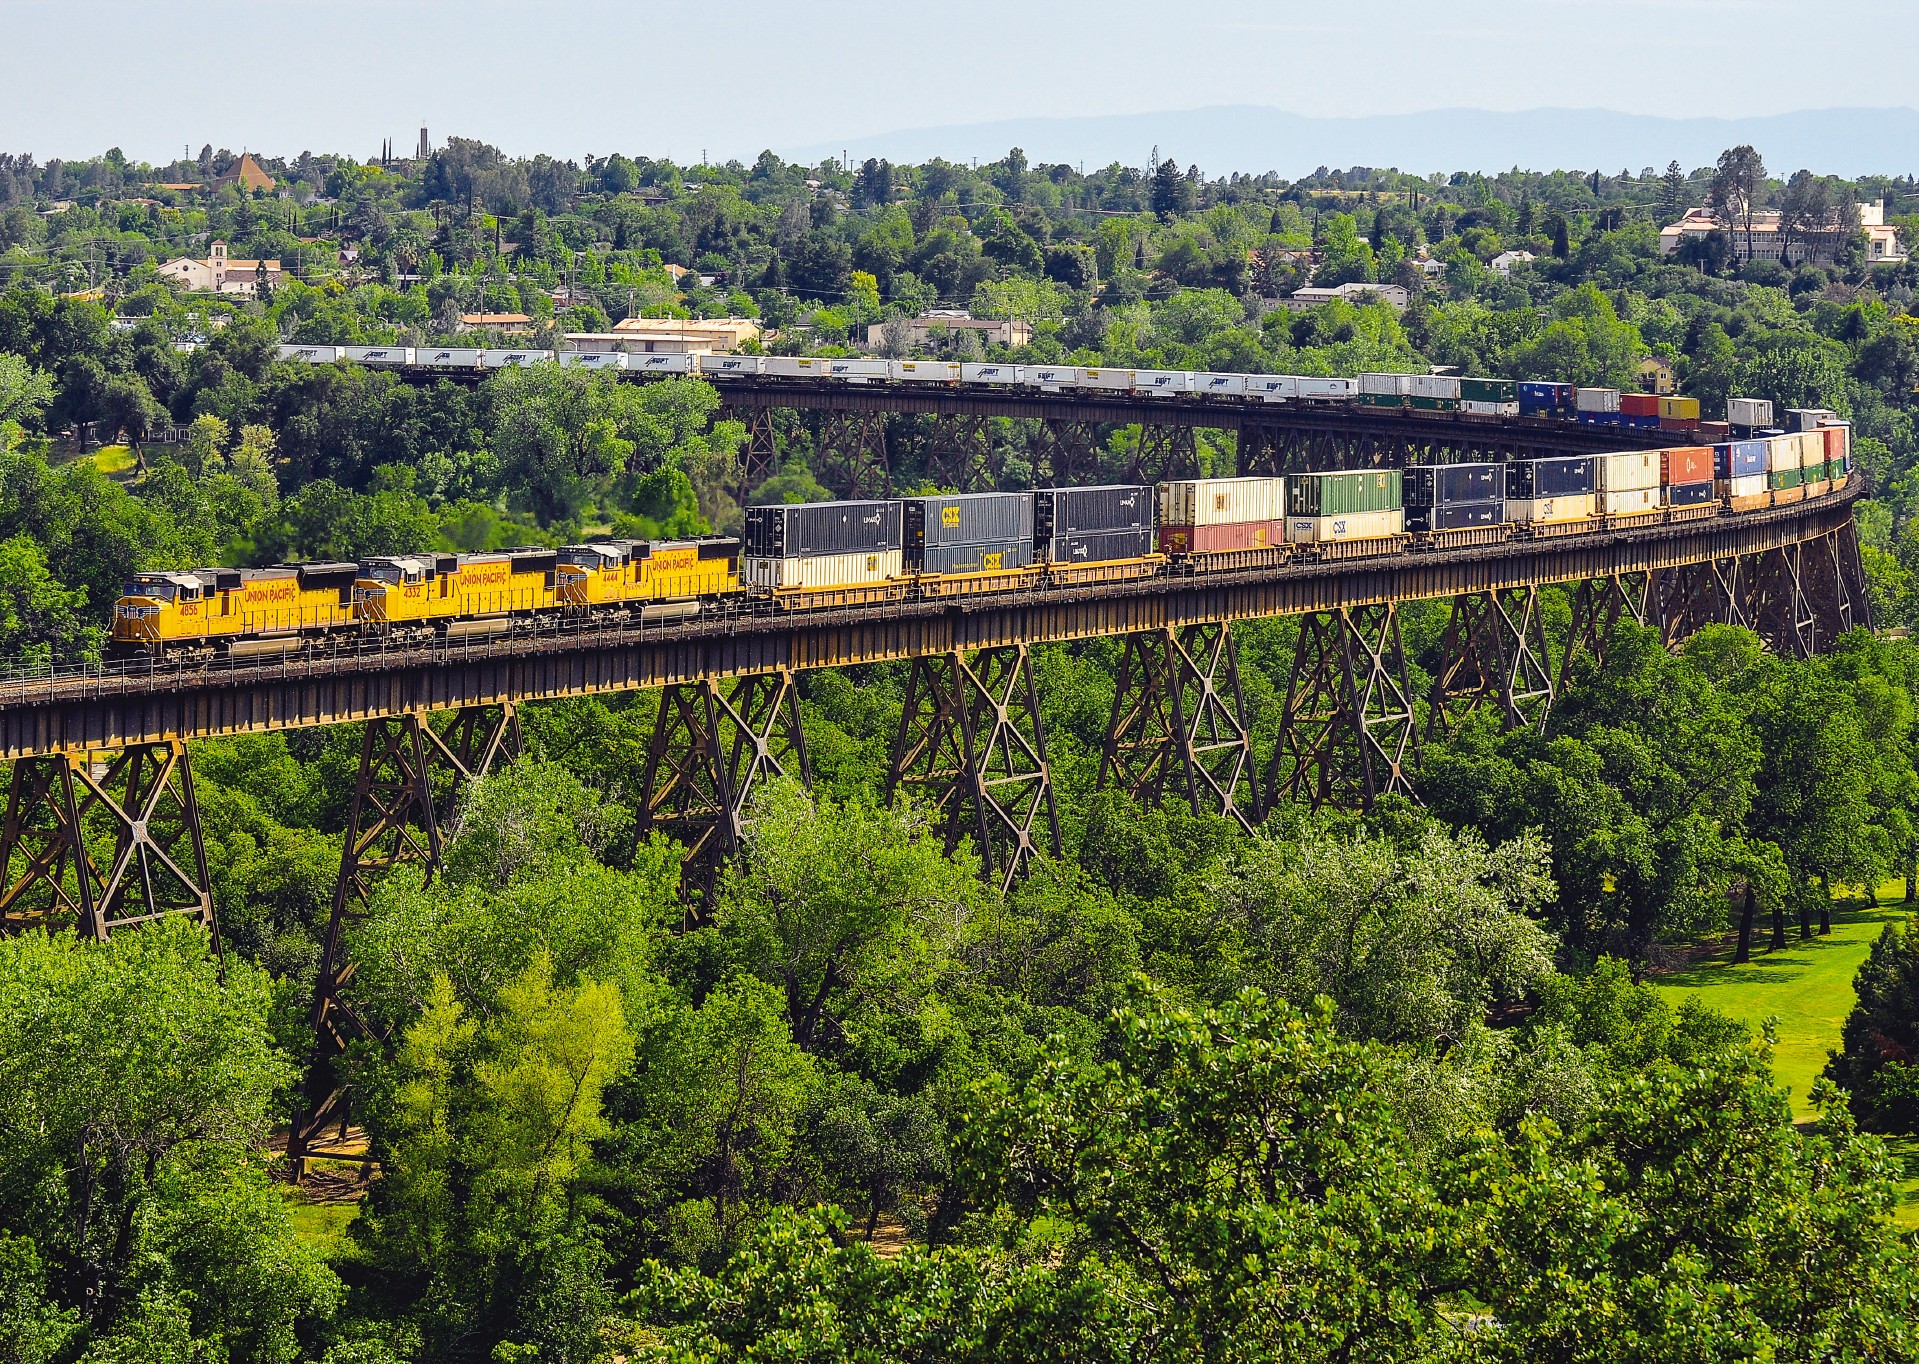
(593,359)
(729,366)
(925,371)
(512,359)
(972,372)
(671,364)
(313,355)
(1221,385)
(380,355)
(450,357)
(856,371)
(1162,383)
(1272,388)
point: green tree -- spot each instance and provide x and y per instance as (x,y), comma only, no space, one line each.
(1878,1058)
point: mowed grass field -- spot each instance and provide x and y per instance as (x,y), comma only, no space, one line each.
(1807,987)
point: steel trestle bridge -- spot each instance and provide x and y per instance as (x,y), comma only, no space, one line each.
(103,827)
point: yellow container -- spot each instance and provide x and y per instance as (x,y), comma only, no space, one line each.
(1679,409)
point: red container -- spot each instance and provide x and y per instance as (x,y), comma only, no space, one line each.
(1639,404)
(1686,464)
(1716,431)
(1678,423)
(1221,539)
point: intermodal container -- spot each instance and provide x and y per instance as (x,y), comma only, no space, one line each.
(1554,476)
(1744,485)
(1604,419)
(1538,398)
(313,355)
(1782,452)
(1112,379)
(1686,464)
(730,366)
(1627,501)
(1325,390)
(593,359)
(381,355)
(816,571)
(1639,404)
(1436,386)
(1627,469)
(1808,418)
(1338,494)
(1436,485)
(1101,546)
(974,373)
(1455,516)
(1386,385)
(858,371)
(1749,412)
(1049,377)
(1369,525)
(1076,511)
(800,529)
(1689,494)
(1001,556)
(1162,383)
(1221,539)
(966,519)
(1596,399)
(1739,459)
(925,371)
(1221,501)
(1419,404)
(1473,407)
(1679,409)
(1839,445)
(1488,391)
(1220,385)
(1812,448)
(1790,477)
(794,367)
(1393,400)
(1551,510)
(1272,388)
(679,364)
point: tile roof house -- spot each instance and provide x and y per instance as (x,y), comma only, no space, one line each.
(222,274)
(245,174)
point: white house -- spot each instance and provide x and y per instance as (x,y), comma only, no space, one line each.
(1503,263)
(221,274)
(1767,242)
(1312,296)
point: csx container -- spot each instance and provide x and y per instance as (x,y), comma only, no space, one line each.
(1090,525)
(1344,493)
(1538,398)
(1553,510)
(802,529)
(1739,459)
(1750,413)
(1361,525)
(1596,400)
(1686,464)
(1553,476)
(1437,485)
(1454,516)
(968,533)
(821,571)
(1216,515)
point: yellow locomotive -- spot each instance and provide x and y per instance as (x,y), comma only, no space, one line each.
(653,579)
(453,595)
(204,611)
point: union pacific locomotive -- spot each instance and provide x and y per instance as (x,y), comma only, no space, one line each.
(822,555)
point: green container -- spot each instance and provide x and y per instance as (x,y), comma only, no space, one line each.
(1488,391)
(1786,478)
(1435,404)
(1341,494)
(1381,400)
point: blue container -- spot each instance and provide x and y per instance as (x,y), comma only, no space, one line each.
(1688,494)
(1434,485)
(1538,398)
(1739,459)
(1557,476)
(1609,418)
(1455,516)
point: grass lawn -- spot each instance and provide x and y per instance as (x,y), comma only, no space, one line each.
(1807,987)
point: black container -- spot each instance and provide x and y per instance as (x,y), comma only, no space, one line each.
(1098,546)
(1455,516)
(1001,556)
(1559,476)
(1080,511)
(795,530)
(1688,494)
(1432,485)
(967,519)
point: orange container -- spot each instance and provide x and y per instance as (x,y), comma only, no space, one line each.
(1686,464)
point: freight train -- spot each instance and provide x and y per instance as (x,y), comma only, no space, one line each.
(811,556)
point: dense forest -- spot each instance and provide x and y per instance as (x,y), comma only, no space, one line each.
(1388,1084)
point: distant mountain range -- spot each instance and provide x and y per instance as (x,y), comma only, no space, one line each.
(1255,139)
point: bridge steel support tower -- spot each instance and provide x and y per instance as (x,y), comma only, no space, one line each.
(404,803)
(144,795)
(715,742)
(971,743)
(1494,654)
(1178,727)
(1349,732)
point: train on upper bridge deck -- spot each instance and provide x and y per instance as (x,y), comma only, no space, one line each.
(821,555)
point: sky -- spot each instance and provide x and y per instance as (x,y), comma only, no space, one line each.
(729,77)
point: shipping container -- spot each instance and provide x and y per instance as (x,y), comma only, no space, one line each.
(1839,444)
(1596,399)
(1221,501)
(1749,412)
(1432,485)
(669,364)
(380,355)
(1812,448)
(1272,388)
(1369,525)
(1686,464)
(925,371)
(1336,494)
(819,571)
(1474,408)
(1628,501)
(1074,511)
(313,355)
(1326,390)
(448,357)
(1691,494)
(1002,556)
(1782,452)
(1112,380)
(1473,390)
(858,371)
(1603,419)
(1051,378)
(1386,385)
(1419,404)
(1551,510)
(1739,459)
(1455,516)
(1627,469)
(1436,386)
(593,359)
(966,519)
(1094,547)
(1639,404)
(513,359)
(1538,398)
(1784,478)
(1688,426)
(796,529)
(1220,385)
(1390,400)
(1741,485)
(1808,418)
(1162,383)
(1679,409)
(973,373)
(729,366)
(793,367)
(1553,476)
(1222,538)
